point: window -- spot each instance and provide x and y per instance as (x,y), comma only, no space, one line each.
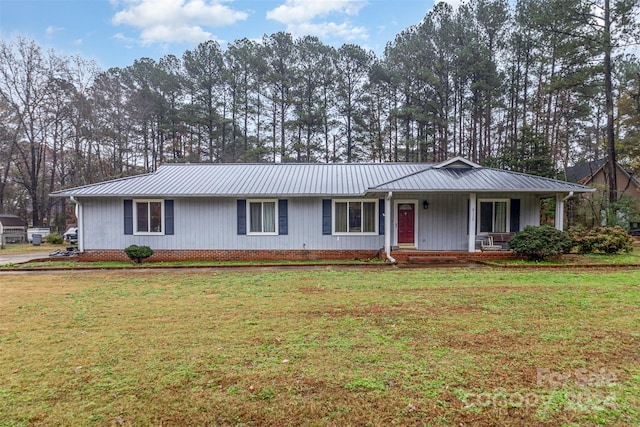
(148,216)
(494,216)
(351,217)
(262,216)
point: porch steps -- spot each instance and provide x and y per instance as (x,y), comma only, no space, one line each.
(444,257)
(421,259)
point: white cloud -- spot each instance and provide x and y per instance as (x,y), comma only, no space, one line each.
(167,21)
(300,17)
(51,30)
(78,42)
(297,11)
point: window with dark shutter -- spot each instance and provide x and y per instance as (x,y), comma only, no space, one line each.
(168,217)
(128,217)
(326,216)
(242,217)
(283,220)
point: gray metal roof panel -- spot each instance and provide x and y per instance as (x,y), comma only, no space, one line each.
(290,179)
(477,180)
(268,180)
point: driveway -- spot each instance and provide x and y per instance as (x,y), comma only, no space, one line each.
(21,258)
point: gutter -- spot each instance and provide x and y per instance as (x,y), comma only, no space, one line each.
(569,195)
(387,227)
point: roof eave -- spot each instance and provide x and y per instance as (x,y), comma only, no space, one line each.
(484,190)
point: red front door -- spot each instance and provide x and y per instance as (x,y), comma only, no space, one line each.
(406,223)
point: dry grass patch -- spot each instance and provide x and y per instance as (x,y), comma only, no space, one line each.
(404,347)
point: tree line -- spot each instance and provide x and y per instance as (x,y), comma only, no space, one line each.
(533,87)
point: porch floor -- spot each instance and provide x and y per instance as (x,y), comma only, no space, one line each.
(426,257)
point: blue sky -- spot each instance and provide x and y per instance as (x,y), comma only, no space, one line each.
(116,32)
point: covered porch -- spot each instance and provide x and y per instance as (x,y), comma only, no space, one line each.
(459,226)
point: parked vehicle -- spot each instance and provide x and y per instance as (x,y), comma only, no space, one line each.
(71,235)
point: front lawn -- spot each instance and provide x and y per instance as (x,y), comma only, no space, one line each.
(27,248)
(323,347)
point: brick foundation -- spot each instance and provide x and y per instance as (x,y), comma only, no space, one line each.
(163,255)
(446,256)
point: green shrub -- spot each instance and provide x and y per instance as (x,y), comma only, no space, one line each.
(606,240)
(138,253)
(54,238)
(539,243)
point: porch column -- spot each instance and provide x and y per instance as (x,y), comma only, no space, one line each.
(387,227)
(559,212)
(472,222)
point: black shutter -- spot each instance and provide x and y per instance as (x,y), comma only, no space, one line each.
(381,217)
(326,216)
(242,216)
(514,216)
(283,221)
(128,216)
(168,217)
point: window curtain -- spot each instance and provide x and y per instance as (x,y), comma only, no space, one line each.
(500,224)
(255,217)
(341,217)
(269,219)
(369,217)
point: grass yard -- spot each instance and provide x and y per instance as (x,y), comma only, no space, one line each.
(438,347)
(26,248)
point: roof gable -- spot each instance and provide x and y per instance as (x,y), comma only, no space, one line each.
(478,179)
(585,173)
(456,163)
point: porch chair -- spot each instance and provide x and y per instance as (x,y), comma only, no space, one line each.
(488,245)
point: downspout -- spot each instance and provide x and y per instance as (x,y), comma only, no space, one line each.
(387,227)
(569,195)
(79,213)
(560,210)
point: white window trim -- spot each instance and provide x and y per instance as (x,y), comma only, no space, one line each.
(276,219)
(493,219)
(135,218)
(354,233)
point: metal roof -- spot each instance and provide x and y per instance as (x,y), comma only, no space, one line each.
(295,179)
(478,180)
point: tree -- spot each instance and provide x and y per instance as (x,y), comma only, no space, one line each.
(27,81)
(353,67)
(279,79)
(204,68)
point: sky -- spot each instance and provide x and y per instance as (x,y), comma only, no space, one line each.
(116,32)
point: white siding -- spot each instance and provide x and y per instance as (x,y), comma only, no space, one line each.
(211,223)
(206,223)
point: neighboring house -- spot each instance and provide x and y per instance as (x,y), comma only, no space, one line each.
(308,211)
(596,173)
(12,229)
